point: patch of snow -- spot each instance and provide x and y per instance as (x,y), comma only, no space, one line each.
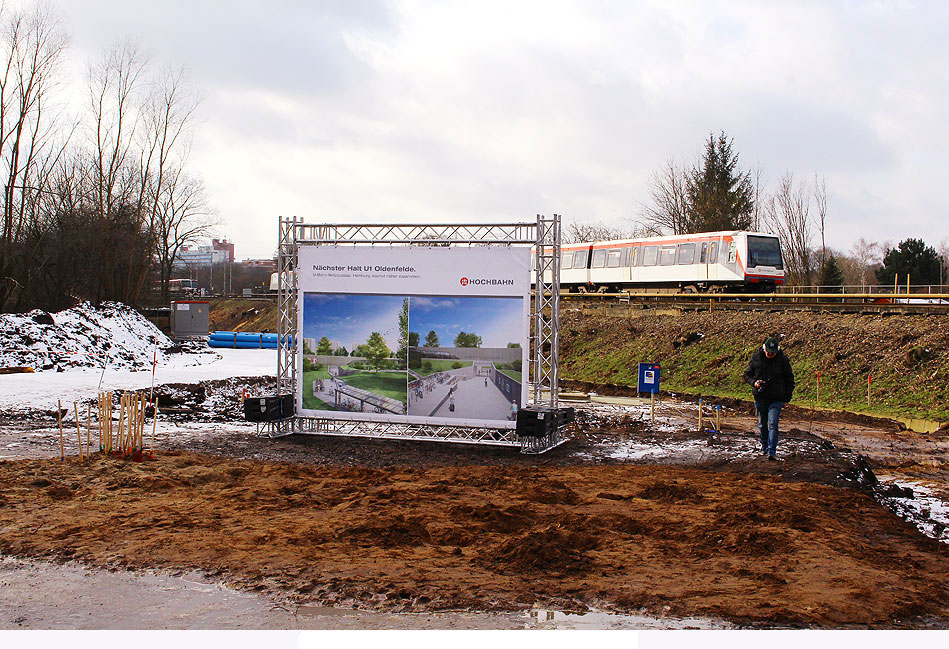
(112,335)
(925,510)
(41,390)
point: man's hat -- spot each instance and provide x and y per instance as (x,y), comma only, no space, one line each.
(771,345)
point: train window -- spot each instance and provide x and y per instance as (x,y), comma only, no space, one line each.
(634,257)
(613,258)
(686,253)
(703,255)
(667,255)
(580,259)
(566,261)
(650,255)
(599,259)
(713,252)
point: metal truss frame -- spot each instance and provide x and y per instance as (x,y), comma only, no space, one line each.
(546,311)
(544,235)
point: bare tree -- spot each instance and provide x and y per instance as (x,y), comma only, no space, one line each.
(577,231)
(168,117)
(182,217)
(668,210)
(820,205)
(787,213)
(758,190)
(32,47)
(866,254)
(944,262)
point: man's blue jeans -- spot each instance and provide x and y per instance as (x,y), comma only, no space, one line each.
(768,415)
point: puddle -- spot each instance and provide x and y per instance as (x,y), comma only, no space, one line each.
(547,619)
(43,595)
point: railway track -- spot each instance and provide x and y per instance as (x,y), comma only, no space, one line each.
(864,303)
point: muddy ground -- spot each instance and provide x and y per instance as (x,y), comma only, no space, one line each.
(627,517)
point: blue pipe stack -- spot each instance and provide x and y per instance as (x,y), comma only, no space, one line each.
(242,340)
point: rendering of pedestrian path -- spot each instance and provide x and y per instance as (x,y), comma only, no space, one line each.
(470,389)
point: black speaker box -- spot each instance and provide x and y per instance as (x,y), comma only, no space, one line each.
(268,408)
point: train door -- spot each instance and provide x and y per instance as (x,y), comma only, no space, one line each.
(708,260)
(730,261)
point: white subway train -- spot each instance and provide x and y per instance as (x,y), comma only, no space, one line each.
(707,261)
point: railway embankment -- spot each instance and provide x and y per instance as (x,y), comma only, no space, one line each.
(902,361)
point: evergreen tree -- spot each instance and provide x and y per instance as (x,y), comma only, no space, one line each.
(831,278)
(912,259)
(413,339)
(403,351)
(719,196)
(431,340)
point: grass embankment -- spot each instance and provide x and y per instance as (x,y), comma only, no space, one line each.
(512,374)
(705,354)
(387,384)
(434,365)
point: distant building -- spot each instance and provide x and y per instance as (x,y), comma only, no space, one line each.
(267,264)
(225,247)
(219,252)
(310,343)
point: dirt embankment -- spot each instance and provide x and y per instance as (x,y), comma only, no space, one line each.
(750,548)
(906,358)
(252,314)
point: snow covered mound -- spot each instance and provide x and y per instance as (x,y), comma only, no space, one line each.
(111,334)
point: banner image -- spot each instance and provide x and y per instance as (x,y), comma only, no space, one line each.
(476,371)
(413,334)
(354,352)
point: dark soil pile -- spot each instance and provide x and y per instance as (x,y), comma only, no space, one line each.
(751,548)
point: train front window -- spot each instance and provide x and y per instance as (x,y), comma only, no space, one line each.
(764,251)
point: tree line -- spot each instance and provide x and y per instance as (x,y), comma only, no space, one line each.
(715,194)
(97,199)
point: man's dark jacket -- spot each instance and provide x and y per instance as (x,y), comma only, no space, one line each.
(775,372)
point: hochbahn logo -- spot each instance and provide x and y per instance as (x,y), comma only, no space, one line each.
(486,281)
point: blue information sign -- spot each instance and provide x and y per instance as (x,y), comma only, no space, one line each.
(649,377)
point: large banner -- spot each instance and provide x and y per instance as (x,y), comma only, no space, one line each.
(410,334)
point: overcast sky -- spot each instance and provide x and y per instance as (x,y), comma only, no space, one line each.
(481,111)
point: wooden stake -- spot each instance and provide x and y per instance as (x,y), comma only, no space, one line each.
(718,418)
(151,446)
(88,428)
(59,415)
(818,386)
(121,420)
(700,415)
(75,409)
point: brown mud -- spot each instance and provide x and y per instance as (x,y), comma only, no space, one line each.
(756,549)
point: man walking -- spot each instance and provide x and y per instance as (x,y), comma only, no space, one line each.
(772,383)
